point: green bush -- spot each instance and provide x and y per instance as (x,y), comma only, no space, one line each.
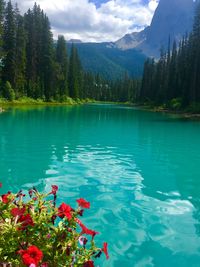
(175,104)
(8,91)
(35,232)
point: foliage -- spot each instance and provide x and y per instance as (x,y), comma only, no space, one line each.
(36,232)
(175,104)
(8,91)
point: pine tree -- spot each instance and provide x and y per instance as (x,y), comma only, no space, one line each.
(62,60)
(2,4)
(33,26)
(48,59)
(75,74)
(172,76)
(40,55)
(20,55)
(9,44)
(195,57)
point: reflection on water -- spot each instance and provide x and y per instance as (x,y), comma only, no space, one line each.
(139,169)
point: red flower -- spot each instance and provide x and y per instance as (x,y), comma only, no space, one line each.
(31,256)
(5,197)
(83,203)
(54,189)
(18,212)
(0,185)
(65,211)
(44,264)
(25,221)
(105,249)
(85,230)
(88,264)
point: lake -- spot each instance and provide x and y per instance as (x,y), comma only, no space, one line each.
(140,170)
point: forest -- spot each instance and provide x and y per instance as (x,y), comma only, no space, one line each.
(34,65)
(174,80)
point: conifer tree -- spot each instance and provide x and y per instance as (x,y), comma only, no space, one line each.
(20,55)
(62,59)
(9,44)
(75,73)
(2,4)
(48,58)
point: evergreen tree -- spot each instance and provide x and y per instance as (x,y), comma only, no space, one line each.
(9,44)
(62,59)
(172,75)
(33,26)
(75,74)
(20,56)
(48,59)
(195,57)
(2,4)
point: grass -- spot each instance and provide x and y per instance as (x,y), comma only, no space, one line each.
(30,101)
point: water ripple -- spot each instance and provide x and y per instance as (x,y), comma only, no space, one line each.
(114,184)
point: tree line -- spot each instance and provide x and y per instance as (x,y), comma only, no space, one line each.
(174,81)
(32,64)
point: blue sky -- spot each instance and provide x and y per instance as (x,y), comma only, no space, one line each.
(99,2)
(95,20)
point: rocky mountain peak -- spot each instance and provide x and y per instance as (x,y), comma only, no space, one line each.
(172,18)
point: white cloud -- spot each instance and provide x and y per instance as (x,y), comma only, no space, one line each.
(153,4)
(81,19)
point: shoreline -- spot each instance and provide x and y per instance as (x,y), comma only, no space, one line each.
(71,102)
(32,102)
(181,113)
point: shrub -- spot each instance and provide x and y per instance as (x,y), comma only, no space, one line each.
(8,91)
(175,103)
(35,232)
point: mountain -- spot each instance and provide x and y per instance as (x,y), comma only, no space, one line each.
(109,61)
(74,41)
(133,40)
(172,18)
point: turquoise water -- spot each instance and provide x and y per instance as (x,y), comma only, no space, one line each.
(140,170)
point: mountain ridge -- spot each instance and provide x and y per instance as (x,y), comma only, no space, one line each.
(172,18)
(167,22)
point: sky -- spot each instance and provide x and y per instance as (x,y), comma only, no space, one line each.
(95,20)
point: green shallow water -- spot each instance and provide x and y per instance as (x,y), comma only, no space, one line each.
(140,170)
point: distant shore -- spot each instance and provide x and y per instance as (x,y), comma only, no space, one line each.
(182,113)
(25,101)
